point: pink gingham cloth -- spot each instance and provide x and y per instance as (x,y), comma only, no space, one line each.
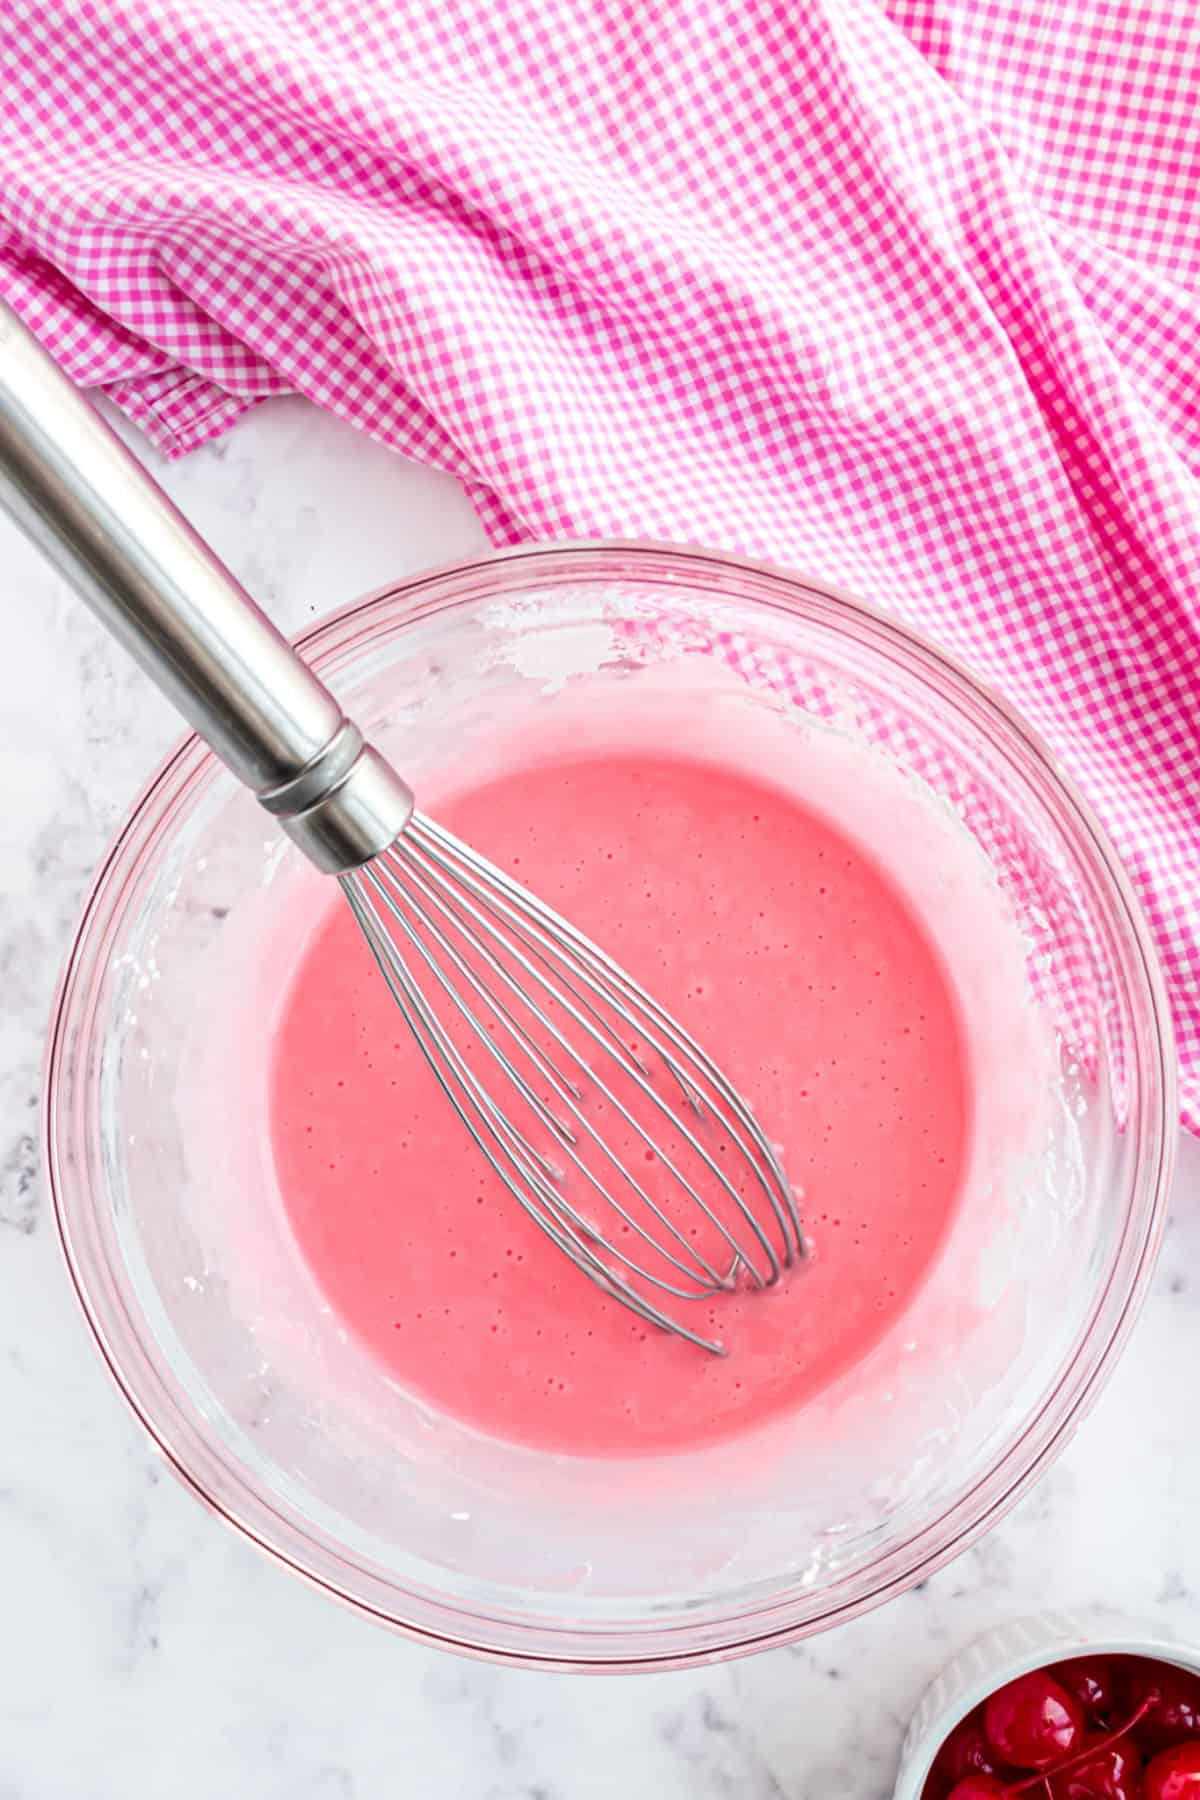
(905,295)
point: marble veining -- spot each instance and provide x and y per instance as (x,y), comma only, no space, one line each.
(144,1650)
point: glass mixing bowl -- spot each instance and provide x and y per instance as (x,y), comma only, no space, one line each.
(273,1414)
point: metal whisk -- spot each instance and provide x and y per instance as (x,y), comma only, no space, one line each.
(604,1120)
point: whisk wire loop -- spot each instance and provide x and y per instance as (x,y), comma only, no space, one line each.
(489,978)
(521,1169)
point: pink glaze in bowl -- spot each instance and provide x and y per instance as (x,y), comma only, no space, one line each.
(277,1422)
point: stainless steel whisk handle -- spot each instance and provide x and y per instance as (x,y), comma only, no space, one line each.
(107,526)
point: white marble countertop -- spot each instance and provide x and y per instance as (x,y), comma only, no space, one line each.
(144,1649)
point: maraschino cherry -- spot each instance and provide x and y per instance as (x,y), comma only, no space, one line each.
(1173,1713)
(1110,1772)
(1174,1774)
(1093,1681)
(1032,1722)
(966,1752)
(978,1786)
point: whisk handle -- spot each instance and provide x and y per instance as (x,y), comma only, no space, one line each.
(107,526)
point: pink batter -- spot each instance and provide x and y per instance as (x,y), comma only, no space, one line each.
(787,952)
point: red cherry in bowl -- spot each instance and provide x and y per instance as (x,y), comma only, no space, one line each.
(979,1787)
(1092,1680)
(1033,1722)
(966,1751)
(1174,1774)
(1172,1700)
(1110,1772)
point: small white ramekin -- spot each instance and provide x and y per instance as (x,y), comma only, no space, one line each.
(1008,1651)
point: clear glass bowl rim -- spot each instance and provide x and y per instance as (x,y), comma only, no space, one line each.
(779,1620)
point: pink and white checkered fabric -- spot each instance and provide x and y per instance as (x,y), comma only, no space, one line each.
(904,295)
